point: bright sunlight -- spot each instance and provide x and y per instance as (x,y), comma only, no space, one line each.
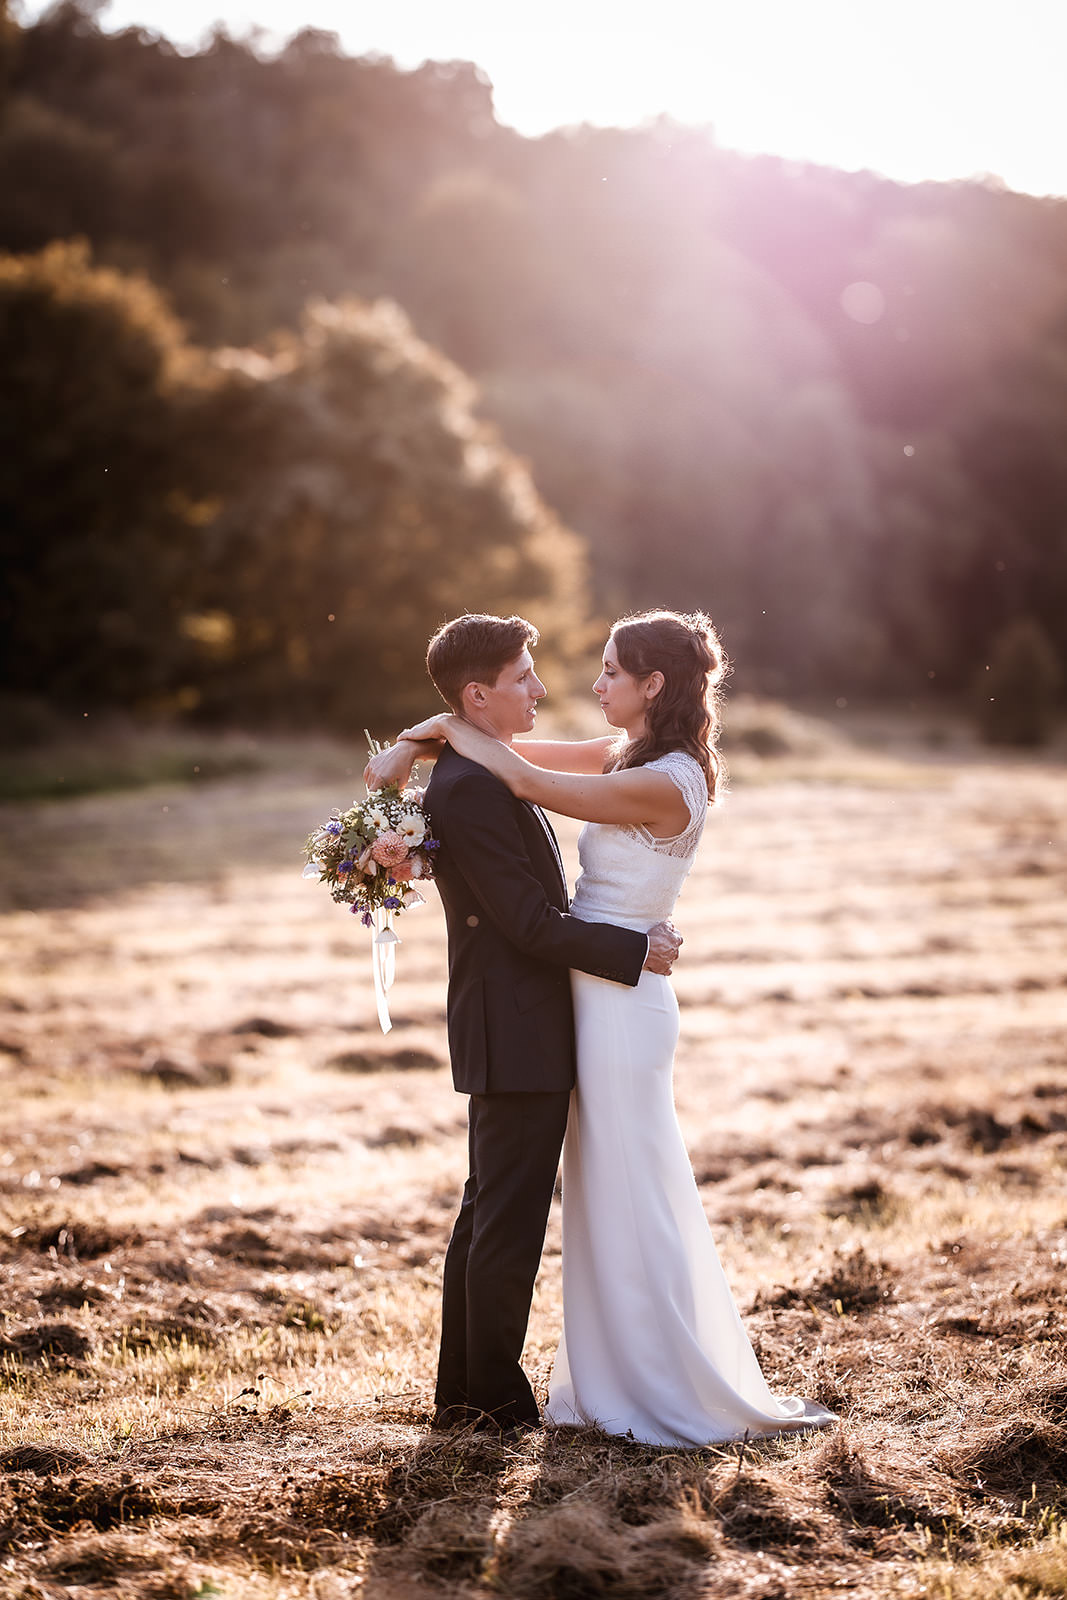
(956,89)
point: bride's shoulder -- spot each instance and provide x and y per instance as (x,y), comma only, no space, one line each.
(677,761)
(688,776)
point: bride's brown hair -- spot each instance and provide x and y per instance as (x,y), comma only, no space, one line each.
(686,714)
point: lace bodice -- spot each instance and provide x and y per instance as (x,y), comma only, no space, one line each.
(628,877)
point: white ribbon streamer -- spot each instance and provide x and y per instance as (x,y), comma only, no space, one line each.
(383,961)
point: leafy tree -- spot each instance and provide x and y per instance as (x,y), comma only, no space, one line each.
(98,525)
(8,45)
(365,506)
(1010,435)
(864,490)
(271,534)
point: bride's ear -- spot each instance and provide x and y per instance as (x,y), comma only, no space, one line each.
(653,685)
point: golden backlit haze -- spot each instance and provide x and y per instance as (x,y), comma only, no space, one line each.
(305,350)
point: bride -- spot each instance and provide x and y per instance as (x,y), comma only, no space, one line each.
(653,1347)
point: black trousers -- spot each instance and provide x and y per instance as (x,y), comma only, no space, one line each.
(494,1254)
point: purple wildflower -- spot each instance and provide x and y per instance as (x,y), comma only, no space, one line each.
(333,829)
(391,903)
(366,919)
(343,867)
(431,844)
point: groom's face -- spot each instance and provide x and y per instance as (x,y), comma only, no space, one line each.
(509,706)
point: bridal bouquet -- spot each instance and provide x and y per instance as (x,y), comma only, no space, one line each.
(372,856)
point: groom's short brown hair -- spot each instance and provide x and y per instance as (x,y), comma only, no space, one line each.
(475,648)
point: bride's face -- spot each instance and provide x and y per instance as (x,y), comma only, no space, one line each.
(623,698)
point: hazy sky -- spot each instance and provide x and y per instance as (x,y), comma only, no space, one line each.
(915,89)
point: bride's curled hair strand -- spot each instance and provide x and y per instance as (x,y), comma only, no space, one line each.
(687,712)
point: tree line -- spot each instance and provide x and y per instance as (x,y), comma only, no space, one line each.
(303,352)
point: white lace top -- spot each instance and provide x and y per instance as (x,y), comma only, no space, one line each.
(630,878)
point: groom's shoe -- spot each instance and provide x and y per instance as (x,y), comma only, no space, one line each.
(515,1432)
(507,1428)
(447,1418)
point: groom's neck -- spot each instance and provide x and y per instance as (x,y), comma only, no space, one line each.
(504,735)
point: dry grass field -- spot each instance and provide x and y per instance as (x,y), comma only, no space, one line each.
(224,1199)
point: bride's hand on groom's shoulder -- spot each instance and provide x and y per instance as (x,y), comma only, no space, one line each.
(395,762)
(435,727)
(391,765)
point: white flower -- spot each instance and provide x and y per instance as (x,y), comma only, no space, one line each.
(412,827)
(378,818)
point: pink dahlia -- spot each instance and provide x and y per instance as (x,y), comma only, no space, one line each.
(389,849)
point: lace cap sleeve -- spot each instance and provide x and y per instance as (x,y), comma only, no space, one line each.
(686,774)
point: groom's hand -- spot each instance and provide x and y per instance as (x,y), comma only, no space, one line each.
(663,947)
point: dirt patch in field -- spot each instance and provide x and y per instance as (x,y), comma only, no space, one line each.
(74,1240)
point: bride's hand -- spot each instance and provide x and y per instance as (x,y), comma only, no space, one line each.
(435,727)
(391,765)
(394,764)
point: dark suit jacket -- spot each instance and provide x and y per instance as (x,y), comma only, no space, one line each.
(511,941)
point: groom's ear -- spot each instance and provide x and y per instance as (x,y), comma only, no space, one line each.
(474,696)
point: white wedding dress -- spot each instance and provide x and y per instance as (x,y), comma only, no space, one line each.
(653,1347)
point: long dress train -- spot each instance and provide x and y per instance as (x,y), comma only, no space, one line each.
(653,1347)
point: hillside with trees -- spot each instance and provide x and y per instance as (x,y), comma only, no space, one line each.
(324,306)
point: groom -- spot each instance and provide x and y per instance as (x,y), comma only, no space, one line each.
(511,943)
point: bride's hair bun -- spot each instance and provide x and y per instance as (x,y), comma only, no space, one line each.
(705,641)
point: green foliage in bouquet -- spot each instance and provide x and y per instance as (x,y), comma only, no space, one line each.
(375,854)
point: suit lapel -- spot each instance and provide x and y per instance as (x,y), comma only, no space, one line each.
(447,759)
(557,858)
